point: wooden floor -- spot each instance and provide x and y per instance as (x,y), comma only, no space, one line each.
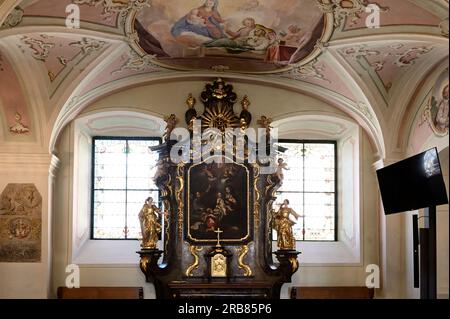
(101,293)
(332,293)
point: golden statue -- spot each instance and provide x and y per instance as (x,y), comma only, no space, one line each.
(245,103)
(219,89)
(243,124)
(150,228)
(171,123)
(191,101)
(265,122)
(283,225)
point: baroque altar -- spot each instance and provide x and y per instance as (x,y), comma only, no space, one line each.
(217,191)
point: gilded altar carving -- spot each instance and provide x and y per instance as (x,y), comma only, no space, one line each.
(270,184)
(143,264)
(219,100)
(194,250)
(218,266)
(243,251)
(269,192)
(224,194)
(179,197)
(294,264)
(166,224)
(257,197)
(20,223)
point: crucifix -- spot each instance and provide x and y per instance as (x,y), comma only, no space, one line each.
(218,232)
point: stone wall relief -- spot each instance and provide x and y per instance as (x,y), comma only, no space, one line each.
(20,223)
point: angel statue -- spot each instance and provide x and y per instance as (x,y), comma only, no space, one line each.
(150,228)
(265,122)
(282,165)
(171,123)
(283,225)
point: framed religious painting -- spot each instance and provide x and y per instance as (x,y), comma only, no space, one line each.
(218,197)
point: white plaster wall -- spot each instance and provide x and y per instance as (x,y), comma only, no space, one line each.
(27,280)
(102,263)
(420,139)
(442,243)
(349,274)
(442,235)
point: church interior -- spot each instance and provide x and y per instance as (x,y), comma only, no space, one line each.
(103,186)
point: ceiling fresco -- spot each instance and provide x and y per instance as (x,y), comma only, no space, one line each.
(90,11)
(321,47)
(396,13)
(242,35)
(385,61)
(15,110)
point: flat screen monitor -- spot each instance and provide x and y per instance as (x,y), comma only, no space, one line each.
(413,183)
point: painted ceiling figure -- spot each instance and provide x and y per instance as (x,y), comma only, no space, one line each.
(148,42)
(442,116)
(204,21)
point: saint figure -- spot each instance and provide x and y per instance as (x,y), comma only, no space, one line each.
(283,225)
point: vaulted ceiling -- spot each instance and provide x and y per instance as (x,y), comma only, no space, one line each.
(49,72)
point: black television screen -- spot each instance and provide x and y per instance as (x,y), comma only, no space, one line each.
(413,183)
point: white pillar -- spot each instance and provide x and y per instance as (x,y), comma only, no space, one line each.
(391,248)
(53,169)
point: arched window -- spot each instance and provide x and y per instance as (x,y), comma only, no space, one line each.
(310,184)
(122,173)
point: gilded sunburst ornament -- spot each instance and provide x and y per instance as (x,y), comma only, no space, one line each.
(219,117)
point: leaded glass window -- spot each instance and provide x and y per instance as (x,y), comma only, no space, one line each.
(310,186)
(122,179)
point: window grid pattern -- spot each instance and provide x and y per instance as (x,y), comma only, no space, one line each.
(310,185)
(122,179)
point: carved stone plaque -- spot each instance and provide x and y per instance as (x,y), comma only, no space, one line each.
(20,223)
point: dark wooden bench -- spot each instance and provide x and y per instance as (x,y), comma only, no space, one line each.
(332,293)
(101,293)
